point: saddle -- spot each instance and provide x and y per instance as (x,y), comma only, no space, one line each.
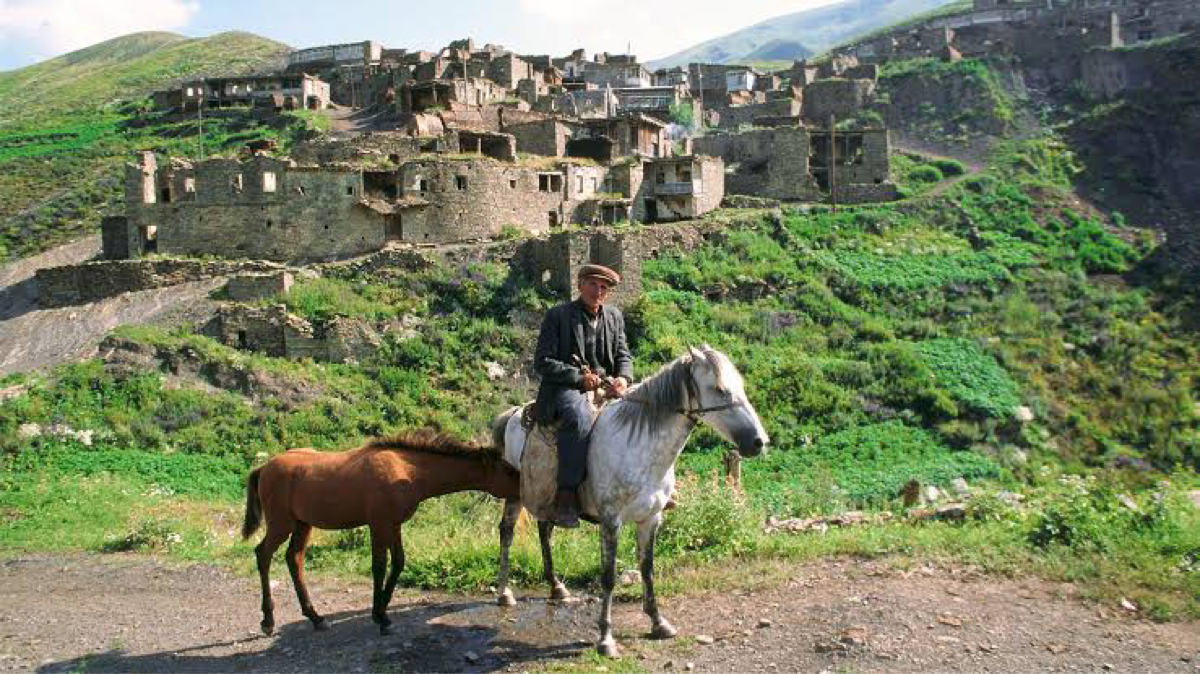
(539,463)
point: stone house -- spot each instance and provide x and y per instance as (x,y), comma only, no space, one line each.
(679,188)
(261,208)
(792,163)
(278,91)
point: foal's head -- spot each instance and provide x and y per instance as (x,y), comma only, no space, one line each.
(719,400)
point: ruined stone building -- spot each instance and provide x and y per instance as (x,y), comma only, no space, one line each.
(793,164)
(1038,31)
(279,91)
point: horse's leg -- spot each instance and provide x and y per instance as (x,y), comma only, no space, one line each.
(381,542)
(558,591)
(394,574)
(608,579)
(276,534)
(508,526)
(295,562)
(646,535)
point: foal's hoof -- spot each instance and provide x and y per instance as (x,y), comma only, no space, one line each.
(608,649)
(320,625)
(506,598)
(560,593)
(663,630)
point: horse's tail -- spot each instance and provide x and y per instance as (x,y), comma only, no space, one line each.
(499,425)
(253,506)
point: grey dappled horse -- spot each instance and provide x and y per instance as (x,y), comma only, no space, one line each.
(631,467)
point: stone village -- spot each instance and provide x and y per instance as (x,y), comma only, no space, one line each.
(482,144)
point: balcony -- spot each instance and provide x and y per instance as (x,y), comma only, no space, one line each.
(676,189)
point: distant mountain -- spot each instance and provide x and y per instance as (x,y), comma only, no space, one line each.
(779,50)
(126,67)
(812,30)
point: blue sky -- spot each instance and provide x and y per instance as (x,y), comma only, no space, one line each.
(34,30)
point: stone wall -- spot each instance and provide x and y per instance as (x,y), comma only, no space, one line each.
(554,260)
(840,97)
(470,199)
(261,208)
(547,137)
(251,287)
(769,162)
(91,281)
(791,163)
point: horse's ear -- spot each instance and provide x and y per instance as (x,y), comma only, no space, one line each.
(694,355)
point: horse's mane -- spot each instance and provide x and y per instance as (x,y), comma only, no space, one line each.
(427,441)
(657,397)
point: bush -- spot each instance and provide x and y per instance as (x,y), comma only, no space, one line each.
(949,167)
(925,174)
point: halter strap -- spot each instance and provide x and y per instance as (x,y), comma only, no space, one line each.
(693,391)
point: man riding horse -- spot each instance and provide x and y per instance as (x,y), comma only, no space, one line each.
(581,349)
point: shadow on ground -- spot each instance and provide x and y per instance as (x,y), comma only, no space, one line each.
(450,637)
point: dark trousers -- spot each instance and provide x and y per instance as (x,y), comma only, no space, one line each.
(575,417)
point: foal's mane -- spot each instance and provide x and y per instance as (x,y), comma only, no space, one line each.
(426,441)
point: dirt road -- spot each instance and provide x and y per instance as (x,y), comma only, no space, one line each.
(109,613)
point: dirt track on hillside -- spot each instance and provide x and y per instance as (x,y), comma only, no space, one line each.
(32,338)
(110,613)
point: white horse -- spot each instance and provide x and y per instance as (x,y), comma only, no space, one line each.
(631,467)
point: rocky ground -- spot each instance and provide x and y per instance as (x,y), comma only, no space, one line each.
(136,614)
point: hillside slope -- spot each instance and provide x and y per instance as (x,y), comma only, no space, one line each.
(122,68)
(67,125)
(815,29)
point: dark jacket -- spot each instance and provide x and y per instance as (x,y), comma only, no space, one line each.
(562,337)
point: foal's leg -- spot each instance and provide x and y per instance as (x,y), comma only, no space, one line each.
(295,562)
(381,542)
(647,533)
(608,579)
(276,534)
(558,591)
(508,526)
(394,574)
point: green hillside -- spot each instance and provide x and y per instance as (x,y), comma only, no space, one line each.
(68,124)
(814,29)
(123,68)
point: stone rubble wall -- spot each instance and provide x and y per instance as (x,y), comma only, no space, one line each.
(92,281)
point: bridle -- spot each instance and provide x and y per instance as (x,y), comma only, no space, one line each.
(693,390)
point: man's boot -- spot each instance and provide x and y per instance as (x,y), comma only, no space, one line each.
(566,508)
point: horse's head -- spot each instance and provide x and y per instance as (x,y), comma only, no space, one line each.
(717,396)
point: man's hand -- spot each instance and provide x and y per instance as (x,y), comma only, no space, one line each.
(616,387)
(591,381)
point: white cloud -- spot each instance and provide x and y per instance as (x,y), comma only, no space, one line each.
(51,27)
(655,28)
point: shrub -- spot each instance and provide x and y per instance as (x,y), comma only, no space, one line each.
(949,167)
(972,376)
(925,174)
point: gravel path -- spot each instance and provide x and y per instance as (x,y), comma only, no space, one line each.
(128,613)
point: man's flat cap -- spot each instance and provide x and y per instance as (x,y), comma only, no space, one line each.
(599,271)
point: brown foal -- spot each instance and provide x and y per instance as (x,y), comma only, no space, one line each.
(379,484)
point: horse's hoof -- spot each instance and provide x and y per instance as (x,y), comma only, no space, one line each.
(506,598)
(268,628)
(608,649)
(385,630)
(663,630)
(560,593)
(320,625)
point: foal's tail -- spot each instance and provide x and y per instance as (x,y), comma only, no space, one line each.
(253,507)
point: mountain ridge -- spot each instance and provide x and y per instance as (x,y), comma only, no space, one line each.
(816,29)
